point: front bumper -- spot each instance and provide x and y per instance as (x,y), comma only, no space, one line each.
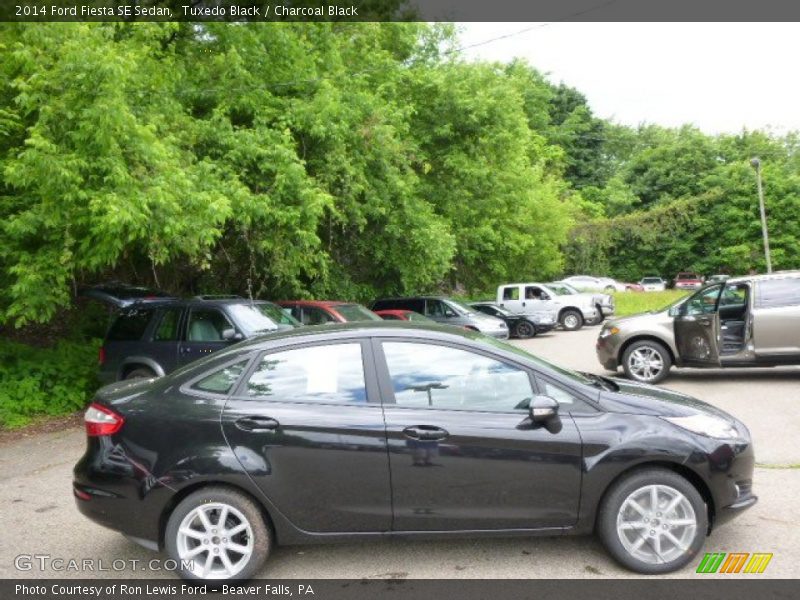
(607,309)
(500,334)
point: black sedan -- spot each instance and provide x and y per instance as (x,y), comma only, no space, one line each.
(345,432)
(519,326)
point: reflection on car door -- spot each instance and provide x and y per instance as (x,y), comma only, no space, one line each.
(307,424)
(203,334)
(462,453)
(697,328)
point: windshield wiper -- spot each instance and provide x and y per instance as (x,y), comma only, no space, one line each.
(601,382)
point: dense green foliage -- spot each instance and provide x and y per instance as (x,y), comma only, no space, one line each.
(45,381)
(344,160)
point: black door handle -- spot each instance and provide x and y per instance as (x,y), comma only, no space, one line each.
(256,423)
(427,433)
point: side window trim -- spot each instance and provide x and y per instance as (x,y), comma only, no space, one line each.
(367,360)
(188,389)
(385,378)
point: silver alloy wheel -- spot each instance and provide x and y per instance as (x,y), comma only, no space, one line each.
(216,539)
(645,363)
(571,321)
(525,329)
(656,524)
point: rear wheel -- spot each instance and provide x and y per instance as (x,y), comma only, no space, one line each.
(525,330)
(653,521)
(571,319)
(646,361)
(139,373)
(217,533)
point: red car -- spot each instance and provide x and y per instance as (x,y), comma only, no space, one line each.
(688,281)
(403,315)
(317,312)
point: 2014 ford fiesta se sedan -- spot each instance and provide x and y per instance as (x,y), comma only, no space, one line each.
(382,429)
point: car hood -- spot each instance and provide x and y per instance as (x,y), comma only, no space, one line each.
(644,399)
(632,319)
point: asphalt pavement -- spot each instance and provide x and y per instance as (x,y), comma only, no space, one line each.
(40,520)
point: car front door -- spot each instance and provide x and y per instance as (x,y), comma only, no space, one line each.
(697,328)
(204,334)
(510,297)
(462,452)
(306,422)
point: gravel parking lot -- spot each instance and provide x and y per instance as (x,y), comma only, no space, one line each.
(40,518)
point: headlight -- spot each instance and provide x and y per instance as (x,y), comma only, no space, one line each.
(708,425)
(607,331)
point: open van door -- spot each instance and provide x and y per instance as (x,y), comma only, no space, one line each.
(697,328)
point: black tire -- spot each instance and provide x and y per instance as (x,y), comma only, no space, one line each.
(262,538)
(647,347)
(525,330)
(613,502)
(599,318)
(571,319)
(139,373)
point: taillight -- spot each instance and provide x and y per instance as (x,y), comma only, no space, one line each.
(101,420)
(101,356)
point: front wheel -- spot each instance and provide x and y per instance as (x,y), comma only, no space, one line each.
(653,521)
(646,361)
(571,320)
(525,330)
(217,533)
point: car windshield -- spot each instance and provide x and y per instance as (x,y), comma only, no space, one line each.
(459,307)
(356,312)
(569,373)
(499,310)
(651,280)
(261,316)
(562,289)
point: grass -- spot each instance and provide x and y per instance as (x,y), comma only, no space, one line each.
(630,303)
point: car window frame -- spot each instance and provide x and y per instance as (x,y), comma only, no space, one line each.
(592,405)
(367,358)
(385,379)
(187,388)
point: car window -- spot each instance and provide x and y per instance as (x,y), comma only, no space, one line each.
(779,292)
(734,295)
(703,302)
(533,292)
(315,316)
(207,325)
(511,293)
(329,373)
(168,325)
(356,312)
(222,381)
(442,377)
(129,326)
(567,401)
(437,308)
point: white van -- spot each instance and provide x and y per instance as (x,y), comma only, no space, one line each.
(572,311)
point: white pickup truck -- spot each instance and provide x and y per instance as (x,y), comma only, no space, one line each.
(572,310)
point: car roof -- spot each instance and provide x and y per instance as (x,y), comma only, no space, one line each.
(166,302)
(318,303)
(766,276)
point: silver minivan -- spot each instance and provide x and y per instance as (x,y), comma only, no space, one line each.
(751,321)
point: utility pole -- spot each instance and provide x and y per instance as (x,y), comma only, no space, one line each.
(756,164)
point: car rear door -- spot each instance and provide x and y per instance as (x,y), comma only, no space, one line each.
(776,319)
(462,453)
(306,423)
(697,328)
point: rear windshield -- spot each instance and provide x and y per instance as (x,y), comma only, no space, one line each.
(687,276)
(356,312)
(129,326)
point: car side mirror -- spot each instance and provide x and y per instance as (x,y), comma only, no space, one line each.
(231,335)
(543,409)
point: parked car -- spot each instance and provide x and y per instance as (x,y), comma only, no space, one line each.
(520,326)
(573,310)
(653,284)
(320,434)
(688,281)
(318,312)
(447,311)
(604,303)
(403,315)
(634,287)
(152,335)
(751,321)
(587,283)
